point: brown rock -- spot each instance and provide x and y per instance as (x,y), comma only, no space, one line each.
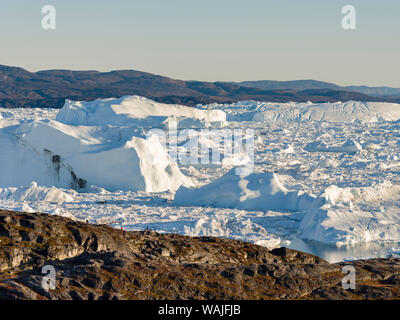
(99,262)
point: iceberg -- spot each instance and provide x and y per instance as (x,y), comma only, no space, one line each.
(106,157)
(35,193)
(255,191)
(345,216)
(131,110)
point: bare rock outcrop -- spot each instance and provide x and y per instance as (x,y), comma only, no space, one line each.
(99,262)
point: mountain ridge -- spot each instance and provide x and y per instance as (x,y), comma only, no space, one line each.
(50,88)
(380,91)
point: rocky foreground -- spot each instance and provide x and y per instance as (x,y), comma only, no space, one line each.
(99,262)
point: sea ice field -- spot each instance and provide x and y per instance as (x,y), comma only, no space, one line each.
(320,178)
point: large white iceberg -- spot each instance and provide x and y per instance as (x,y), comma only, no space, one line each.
(35,193)
(106,157)
(21,164)
(352,215)
(130,110)
(255,191)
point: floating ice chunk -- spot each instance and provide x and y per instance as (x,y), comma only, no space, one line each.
(269,243)
(24,208)
(392,157)
(373,147)
(350,146)
(63,213)
(327,162)
(35,193)
(289,149)
(237,227)
(236,159)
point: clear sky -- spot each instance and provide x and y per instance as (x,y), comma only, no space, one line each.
(211,40)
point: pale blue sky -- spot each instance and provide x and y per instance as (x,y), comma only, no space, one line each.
(210,40)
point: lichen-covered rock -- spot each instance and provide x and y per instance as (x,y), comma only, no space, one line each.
(99,262)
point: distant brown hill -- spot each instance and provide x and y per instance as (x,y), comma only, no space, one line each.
(21,88)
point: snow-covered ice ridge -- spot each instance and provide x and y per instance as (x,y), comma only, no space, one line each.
(132,110)
(323,172)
